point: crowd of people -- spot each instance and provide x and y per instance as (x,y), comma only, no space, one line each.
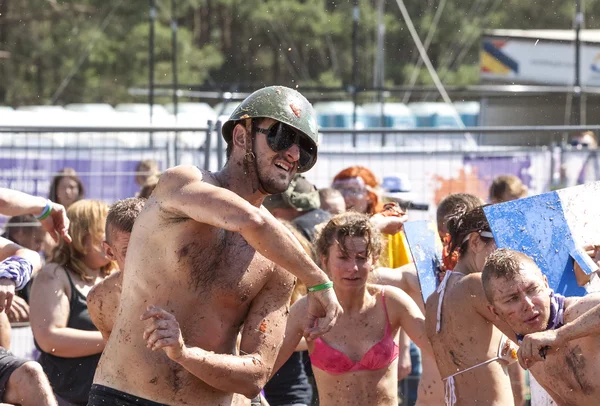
(251,286)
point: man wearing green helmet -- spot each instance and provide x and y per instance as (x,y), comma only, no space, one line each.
(206,261)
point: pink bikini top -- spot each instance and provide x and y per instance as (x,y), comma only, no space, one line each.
(379,356)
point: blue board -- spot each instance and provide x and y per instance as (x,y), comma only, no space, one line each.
(426,249)
(551,228)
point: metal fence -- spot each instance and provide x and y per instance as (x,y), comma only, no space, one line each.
(433,162)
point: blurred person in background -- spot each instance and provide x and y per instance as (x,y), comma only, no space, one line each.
(70,343)
(144,170)
(505,188)
(300,204)
(66,188)
(332,200)
(148,187)
(587,141)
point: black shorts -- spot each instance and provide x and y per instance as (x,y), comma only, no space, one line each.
(104,396)
(8,364)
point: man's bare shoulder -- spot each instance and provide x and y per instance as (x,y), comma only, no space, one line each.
(576,306)
(111,285)
(178,176)
(171,185)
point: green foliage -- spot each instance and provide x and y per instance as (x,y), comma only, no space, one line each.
(243,42)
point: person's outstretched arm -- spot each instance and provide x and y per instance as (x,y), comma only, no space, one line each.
(51,215)
(182,190)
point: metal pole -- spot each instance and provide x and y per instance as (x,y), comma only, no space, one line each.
(207,146)
(378,81)
(174,57)
(355,18)
(219,146)
(151,56)
(577,85)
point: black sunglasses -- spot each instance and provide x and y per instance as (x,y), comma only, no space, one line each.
(281,136)
(576,143)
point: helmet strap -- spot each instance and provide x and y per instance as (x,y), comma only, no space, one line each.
(250,167)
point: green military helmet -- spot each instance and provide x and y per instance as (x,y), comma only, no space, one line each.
(282,104)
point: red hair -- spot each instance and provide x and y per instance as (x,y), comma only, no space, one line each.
(374,205)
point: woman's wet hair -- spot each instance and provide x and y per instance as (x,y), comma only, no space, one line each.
(345,226)
(456,202)
(462,223)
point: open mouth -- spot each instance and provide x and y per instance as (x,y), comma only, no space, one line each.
(533,320)
(284,166)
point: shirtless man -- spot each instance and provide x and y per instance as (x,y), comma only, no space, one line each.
(204,259)
(519,295)
(104,298)
(470,352)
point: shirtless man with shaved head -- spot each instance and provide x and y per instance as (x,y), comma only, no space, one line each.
(561,332)
(205,261)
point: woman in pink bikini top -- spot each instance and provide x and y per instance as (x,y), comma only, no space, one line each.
(356,362)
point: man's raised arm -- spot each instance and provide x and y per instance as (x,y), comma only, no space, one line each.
(183,190)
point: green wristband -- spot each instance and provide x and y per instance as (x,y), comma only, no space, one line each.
(323,286)
(46,212)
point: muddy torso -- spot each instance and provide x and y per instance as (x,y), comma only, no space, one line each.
(206,277)
(572,372)
(354,335)
(466,339)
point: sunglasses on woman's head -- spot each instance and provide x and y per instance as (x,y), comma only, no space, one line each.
(576,143)
(280,137)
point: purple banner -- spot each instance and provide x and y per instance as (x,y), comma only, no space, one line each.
(103,180)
